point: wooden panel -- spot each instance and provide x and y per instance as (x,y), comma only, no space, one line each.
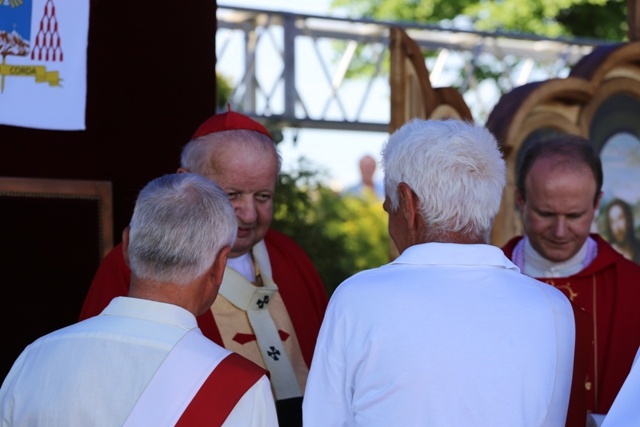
(412,95)
(53,235)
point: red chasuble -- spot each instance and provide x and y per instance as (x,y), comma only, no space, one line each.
(298,283)
(609,291)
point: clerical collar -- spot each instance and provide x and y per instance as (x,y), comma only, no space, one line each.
(533,264)
(244,265)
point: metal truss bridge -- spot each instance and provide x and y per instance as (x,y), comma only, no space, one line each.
(294,70)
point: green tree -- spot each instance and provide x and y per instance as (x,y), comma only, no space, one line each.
(551,18)
(223,90)
(595,19)
(341,235)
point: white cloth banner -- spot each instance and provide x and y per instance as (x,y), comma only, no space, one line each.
(43,73)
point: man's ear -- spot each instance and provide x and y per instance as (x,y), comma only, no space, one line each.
(219,264)
(182,170)
(598,200)
(125,245)
(408,201)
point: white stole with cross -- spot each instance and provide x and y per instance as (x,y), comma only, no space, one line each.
(254,300)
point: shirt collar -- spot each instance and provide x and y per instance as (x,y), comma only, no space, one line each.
(536,265)
(455,254)
(150,310)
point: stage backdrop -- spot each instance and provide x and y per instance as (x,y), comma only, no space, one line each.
(150,83)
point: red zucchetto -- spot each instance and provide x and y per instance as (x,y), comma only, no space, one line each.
(229,121)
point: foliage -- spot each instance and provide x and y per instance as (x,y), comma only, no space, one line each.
(341,235)
(550,18)
(597,19)
(608,22)
(223,91)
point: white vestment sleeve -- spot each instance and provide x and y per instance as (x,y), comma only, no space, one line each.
(625,410)
(256,408)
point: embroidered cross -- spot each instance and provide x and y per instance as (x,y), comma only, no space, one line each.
(273,353)
(568,291)
(262,302)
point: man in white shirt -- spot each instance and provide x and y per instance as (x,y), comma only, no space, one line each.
(450,333)
(143,360)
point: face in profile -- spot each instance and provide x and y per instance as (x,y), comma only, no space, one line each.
(248,173)
(558,207)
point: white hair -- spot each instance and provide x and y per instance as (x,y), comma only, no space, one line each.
(180,223)
(197,153)
(455,169)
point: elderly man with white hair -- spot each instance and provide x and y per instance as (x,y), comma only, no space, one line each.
(450,333)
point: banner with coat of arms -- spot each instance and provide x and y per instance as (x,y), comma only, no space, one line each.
(43,73)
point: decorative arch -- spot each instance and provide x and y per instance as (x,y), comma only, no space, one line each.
(412,95)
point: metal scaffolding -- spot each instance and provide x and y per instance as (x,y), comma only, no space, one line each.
(293,69)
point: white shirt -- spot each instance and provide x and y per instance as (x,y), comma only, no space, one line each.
(92,373)
(446,335)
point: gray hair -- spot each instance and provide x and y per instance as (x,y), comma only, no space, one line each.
(455,169)
(196,154)
(180,223)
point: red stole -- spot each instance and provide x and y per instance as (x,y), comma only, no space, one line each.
(221,392)
(198,383)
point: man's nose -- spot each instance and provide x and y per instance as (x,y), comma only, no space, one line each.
(560,226)
(246,210)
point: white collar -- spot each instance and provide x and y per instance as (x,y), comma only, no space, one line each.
(239,290)
(435,253)
(535,265)
(243,265)
(154,311)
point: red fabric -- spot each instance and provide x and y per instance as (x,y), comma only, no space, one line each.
(615,283)
(577,411)
(297,279)
(221,391)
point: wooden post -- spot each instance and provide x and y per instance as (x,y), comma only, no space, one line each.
(633,19)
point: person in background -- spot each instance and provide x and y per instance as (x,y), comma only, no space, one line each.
(143,360)
(558,184)
(450,333)
(367,184)
(272,300)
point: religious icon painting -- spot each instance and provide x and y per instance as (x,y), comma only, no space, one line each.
(43,44)
(615,129)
